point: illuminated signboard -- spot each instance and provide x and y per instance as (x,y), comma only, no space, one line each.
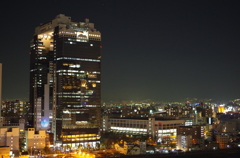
(82,35)
(44,122)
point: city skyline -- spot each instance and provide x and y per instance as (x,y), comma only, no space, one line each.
(158,50)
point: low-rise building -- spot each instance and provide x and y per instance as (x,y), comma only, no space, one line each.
(184,142)
(223,139)
(157,128)
(10,137)
(190,137)
(35,140)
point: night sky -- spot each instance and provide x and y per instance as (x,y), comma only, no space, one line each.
(163,50)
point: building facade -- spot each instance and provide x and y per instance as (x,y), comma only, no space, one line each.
(65,80)
(190,137)
(13,111)
(10,137)
(35,140)
(158,128)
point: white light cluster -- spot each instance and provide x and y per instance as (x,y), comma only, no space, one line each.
(128,129)
(81,59)
(167,131)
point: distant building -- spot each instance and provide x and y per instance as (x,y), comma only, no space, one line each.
(12,111)
(177,110)
(223,139)
(192,136)
(229,127)
(184,142)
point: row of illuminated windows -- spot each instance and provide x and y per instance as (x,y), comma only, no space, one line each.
(79,135)
(71,87)
(67,93)
(73,112)
(92,76)
(63,32)
(77,106)
(70,71)
(67,74)
(78,40)
(129,125)
(81,40)
(70,96)
(128,129)
(94,72)
(94,35)
(79,139)
(81,77)
(94,81)
(41,58)
(167,131)
(81,59)
(127,121)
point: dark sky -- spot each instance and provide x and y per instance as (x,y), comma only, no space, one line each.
(164,50)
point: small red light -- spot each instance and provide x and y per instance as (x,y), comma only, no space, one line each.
(100,46)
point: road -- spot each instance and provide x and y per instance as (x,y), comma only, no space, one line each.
(224,153)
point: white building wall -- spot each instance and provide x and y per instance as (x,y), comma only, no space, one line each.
(35,141)
(105,124)
(3,136)
(151,126)
(10,137)
(13,139)
(37,113)
(184,142)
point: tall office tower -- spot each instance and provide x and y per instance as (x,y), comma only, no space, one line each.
(65,75)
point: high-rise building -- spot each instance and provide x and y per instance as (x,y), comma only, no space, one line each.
(65,80)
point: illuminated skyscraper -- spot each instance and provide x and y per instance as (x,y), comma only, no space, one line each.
(65,80)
